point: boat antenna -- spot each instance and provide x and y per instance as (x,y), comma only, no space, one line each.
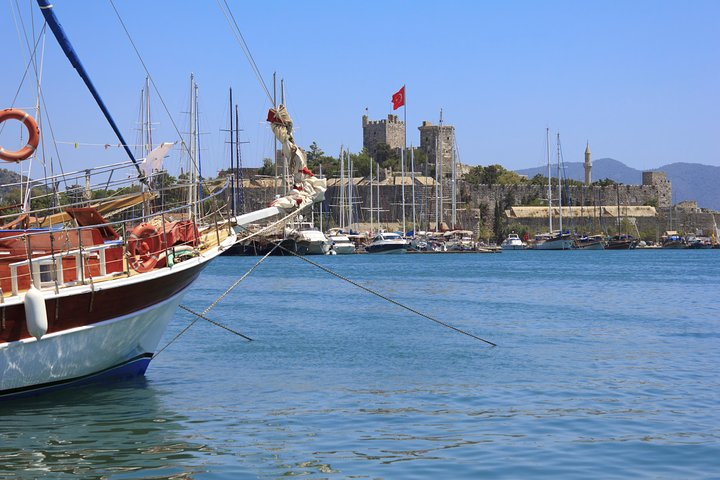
(64,42)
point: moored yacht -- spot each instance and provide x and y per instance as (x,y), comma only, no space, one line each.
(553,241)
(513,242)
(309,240)
(340,244)
(591,242)
(387,243)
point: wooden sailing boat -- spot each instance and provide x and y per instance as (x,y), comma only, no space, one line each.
(87,294)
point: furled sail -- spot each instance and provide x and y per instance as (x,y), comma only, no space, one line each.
(307,188)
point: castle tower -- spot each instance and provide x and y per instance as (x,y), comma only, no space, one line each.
(588,165)
(433,135)
(390,131)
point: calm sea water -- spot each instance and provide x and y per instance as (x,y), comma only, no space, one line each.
(606,367)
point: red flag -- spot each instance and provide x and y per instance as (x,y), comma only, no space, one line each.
(398,99)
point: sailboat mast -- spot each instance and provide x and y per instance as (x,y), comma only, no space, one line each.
(46,8)
(342,190)
(238,164)
(197,143)
(412,175)
(402,188)
(350,185)
(275,142)
(286,177)
(192,149)
(233,206)
(559,176)
(149,143)
(442,170)
(371,195)
(549,192)
(454,187)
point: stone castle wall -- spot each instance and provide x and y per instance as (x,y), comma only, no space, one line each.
(476,205)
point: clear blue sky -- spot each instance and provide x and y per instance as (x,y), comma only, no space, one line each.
(637,79)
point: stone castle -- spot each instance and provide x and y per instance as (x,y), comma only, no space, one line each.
(647,205)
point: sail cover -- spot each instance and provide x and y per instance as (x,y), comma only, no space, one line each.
(306,188)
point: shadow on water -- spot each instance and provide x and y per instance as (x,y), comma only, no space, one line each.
(119,430)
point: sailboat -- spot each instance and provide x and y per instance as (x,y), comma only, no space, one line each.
(553,240)
(87,284)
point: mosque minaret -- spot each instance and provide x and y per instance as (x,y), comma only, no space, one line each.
(588,165)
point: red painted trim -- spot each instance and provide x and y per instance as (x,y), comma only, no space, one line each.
(88,308)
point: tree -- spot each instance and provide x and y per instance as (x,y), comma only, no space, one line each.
(493,175)
(386,156)
(314,153)
(268,168)
(605,182)
(361,164)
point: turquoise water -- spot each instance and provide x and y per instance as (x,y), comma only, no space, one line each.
(606,367)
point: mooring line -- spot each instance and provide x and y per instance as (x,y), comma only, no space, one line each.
(394,302)
(204,312)
(217,324)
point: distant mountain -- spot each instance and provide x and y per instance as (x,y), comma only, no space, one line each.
(690,181)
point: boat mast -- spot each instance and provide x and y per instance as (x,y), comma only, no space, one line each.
(412,176)
(441,197)
(275,142)
(560,207)
(239,188)
(454,186)
(372,227)
(148,131)
(549,192)
(286,177)
(350,185)
(233,206)
(342,190)
(46,8)
(437,182)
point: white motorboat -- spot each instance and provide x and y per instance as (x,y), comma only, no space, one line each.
(387,243)
(309,240)
(513,242)
(340,244)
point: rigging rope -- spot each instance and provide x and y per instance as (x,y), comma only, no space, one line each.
(147,72)
(243,45)
(212,305)
(388,299)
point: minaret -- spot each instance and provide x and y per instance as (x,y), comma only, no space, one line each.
(588,165)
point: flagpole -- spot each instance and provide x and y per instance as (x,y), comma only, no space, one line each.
(402,157)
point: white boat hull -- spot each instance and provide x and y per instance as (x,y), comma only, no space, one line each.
(343,249)
(74,355)
(555,244)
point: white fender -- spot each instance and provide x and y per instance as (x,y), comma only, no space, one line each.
(35,313)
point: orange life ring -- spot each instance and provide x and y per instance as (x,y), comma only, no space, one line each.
(143,247)
(33,135)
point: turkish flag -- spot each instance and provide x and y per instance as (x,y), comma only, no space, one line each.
(398,99)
